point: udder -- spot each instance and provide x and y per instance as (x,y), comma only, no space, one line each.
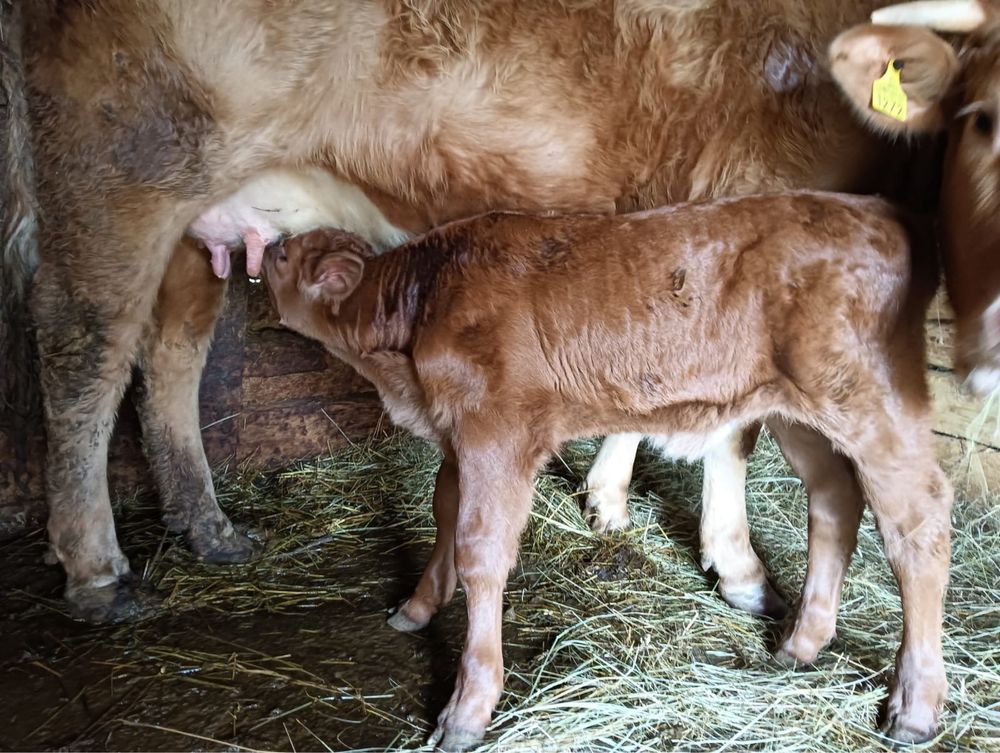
(277,203)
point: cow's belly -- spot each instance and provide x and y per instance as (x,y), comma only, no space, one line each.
(283,202)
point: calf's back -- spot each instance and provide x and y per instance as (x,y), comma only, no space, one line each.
(610,320)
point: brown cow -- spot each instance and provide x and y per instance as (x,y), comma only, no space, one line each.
(503,336)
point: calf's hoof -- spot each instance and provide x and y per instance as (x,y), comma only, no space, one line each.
(407,619)
(911,714)
(756,598)
(119,601)
(802,644)
(791,658)
(228,547)
(455,741)
(605,510)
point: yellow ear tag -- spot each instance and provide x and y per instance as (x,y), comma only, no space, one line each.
(888,96)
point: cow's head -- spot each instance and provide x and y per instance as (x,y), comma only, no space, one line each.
(951,85)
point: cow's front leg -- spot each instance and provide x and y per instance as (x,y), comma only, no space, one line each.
(605,507)
(725,535)
(437,584)
(495,498)
(189,302)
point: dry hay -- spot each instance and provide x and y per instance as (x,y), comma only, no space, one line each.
(633,650)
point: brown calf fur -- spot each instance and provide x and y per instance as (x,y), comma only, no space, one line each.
(502,336)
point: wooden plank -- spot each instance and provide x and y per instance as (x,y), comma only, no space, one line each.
(974,469)
(277,436)
(940,337)
(957,414)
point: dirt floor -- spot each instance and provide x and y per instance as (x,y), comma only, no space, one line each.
(612,642)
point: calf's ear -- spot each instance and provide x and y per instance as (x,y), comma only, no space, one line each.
(333,277)
(927,65)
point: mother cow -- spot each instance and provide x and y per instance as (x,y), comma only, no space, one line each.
(144,114)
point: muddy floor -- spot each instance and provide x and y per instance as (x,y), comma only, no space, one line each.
(332,676)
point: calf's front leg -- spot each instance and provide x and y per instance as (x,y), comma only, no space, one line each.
(494,502)
(437,584)
(911,498)
(835,507)
(173,356)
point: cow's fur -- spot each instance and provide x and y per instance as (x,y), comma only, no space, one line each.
(19,398)
(501,337)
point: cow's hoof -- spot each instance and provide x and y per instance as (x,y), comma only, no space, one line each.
(455,741)
(757,598)
(229,548)
(404,623)
(605,510)
(121,601)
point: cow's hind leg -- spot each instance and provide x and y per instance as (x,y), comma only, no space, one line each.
(725,535)
(835,506)
(127,152)
(189,302)
(88,341)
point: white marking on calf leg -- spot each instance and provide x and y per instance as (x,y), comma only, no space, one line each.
(606,504)
(725,536)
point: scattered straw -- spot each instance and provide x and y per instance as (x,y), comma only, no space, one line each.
(618,642)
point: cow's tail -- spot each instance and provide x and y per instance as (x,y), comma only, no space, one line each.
(18,229)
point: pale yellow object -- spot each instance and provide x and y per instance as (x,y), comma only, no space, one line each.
(888,96)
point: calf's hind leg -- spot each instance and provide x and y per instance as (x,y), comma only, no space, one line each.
(605,507)
(835,507)
(911,498)
(189,301)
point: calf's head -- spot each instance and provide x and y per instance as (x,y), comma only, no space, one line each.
(310,276)
(951,86)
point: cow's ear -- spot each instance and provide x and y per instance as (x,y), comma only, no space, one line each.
(333,277)
(927,67)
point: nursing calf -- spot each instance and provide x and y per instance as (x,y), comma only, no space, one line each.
(502,336)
